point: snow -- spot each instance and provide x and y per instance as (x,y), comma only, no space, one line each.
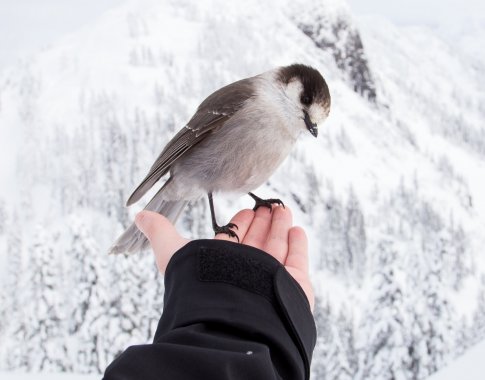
(469,366)
(45,376)
(401,173)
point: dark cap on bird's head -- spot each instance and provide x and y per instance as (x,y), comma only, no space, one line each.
(314,86)
(314,92)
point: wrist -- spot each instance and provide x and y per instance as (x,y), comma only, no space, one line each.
(211,281)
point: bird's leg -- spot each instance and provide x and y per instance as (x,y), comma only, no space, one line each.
(221,229)
(265,202)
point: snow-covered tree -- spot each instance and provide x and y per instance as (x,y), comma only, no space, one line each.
(355,237)
(324,339)
(88,304)
(43,304)
(332,257)
(478,324)
(439,331)
(13,293)
(341,357)
(334,355)
(460,261)
(383,338)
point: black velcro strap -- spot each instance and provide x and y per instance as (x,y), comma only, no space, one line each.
(236,268)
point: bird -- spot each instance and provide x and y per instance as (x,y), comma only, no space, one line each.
(236,139)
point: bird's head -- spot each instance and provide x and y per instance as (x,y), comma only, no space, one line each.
(308,92)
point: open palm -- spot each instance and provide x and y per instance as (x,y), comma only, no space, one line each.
(271,232)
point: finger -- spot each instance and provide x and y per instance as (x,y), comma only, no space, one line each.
(297,262)
(242,220)
(277,240)
(297,250)
(258,230)
(164,238)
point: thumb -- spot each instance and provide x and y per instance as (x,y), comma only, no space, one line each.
(164,238)
(153,225)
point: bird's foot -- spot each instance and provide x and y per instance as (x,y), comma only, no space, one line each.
(227,229)
(265,202)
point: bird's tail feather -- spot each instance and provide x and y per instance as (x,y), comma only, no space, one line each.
(133,240)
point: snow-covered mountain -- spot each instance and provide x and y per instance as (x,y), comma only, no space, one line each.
(391,193)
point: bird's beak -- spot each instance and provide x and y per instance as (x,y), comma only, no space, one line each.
(312,127)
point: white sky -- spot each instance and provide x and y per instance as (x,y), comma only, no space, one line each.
(28,25)
(436,13)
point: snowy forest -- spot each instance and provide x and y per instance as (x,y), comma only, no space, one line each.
(390,194)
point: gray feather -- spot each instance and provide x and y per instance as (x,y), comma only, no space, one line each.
(132,239)
(211,115)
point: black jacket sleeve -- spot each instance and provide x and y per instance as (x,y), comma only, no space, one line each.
(230,312)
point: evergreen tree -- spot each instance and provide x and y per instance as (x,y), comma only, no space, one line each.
(419,355)
(84,296)
(383,351)
(355,238)
(334,355)
(478,324)
(440,320)
(460,258)
(42,322)
(462,337)
(324,339)
(13,290)
(345,325)
(333,251)
(340,359)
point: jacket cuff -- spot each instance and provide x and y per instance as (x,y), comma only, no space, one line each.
(215,281)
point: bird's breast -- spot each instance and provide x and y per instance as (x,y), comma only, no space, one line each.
(252,157)
(241,155)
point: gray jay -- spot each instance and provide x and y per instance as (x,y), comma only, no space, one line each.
(235,140)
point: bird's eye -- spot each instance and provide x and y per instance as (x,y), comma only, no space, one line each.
(305,99)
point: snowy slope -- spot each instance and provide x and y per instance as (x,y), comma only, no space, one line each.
(390,193)
(470,366)
(46,376)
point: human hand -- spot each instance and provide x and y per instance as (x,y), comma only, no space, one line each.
(271,232)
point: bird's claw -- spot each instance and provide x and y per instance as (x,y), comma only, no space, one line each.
(268,203)
(227,229)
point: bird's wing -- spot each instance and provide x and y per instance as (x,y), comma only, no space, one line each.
(212,113)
